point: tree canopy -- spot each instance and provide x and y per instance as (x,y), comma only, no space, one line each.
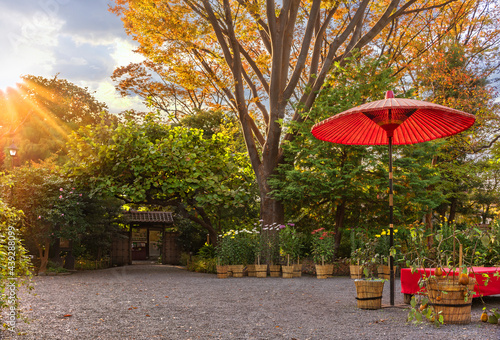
(162,165)
(270,59)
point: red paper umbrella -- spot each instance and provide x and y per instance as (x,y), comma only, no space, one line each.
(408,121)
(392,121)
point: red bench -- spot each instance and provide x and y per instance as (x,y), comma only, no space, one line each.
(409,280)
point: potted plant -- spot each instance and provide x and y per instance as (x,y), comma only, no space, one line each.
(323,246)
(258,268)
(253,260)
(234,248)
(369,289)
(269,247)
(449,283)
(358,238)
(290,244)
(223,254)
(382,251)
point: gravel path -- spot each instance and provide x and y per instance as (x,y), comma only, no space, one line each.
(166,302)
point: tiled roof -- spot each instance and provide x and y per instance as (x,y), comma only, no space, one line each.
(149,216)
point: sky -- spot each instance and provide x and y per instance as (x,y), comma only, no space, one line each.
(80,40)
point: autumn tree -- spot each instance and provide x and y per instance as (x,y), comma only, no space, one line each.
(159,87)
(269,59)
(459,76)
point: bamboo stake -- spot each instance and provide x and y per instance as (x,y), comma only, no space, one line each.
(460,255)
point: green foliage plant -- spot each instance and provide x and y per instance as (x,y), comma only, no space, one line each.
(235,247)
(290,242)
(207,251)
(368,257)
(440,249)
(15,265)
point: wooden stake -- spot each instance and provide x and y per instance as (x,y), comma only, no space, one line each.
(460,255)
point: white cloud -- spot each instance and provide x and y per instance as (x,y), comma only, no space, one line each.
(80,40)
(27,44)
(124,54)
(105,92)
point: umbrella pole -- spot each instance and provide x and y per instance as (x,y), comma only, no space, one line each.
(391,226)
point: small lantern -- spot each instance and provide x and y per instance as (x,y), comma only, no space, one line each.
(13,149)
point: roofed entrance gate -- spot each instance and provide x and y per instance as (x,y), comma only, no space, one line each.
(146,239)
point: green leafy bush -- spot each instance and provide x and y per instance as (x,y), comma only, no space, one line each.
(207,251)
(15,265)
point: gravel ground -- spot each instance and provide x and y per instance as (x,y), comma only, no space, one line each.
(167,302)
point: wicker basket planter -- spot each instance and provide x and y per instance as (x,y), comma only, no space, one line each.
(287,272)
(274,270)
(369,293)
(356,271)
(384,272)
(237,270)
(297,270)
(261,270)
(222,272)
(324,271)
(448,297)
(251,270)
(329,270)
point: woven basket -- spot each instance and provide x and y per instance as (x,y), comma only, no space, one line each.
(287,272)
(274,270)
(448,297)
(329,270)
(237,270)
(323,271)
(261,270)
(251,270)
(297,270)
(369,293)
(222,272)
(384,272)
(356,271)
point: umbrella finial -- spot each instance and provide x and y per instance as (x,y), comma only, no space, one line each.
(389,94)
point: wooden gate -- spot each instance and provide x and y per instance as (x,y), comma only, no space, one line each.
(171,252)
(120,250)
